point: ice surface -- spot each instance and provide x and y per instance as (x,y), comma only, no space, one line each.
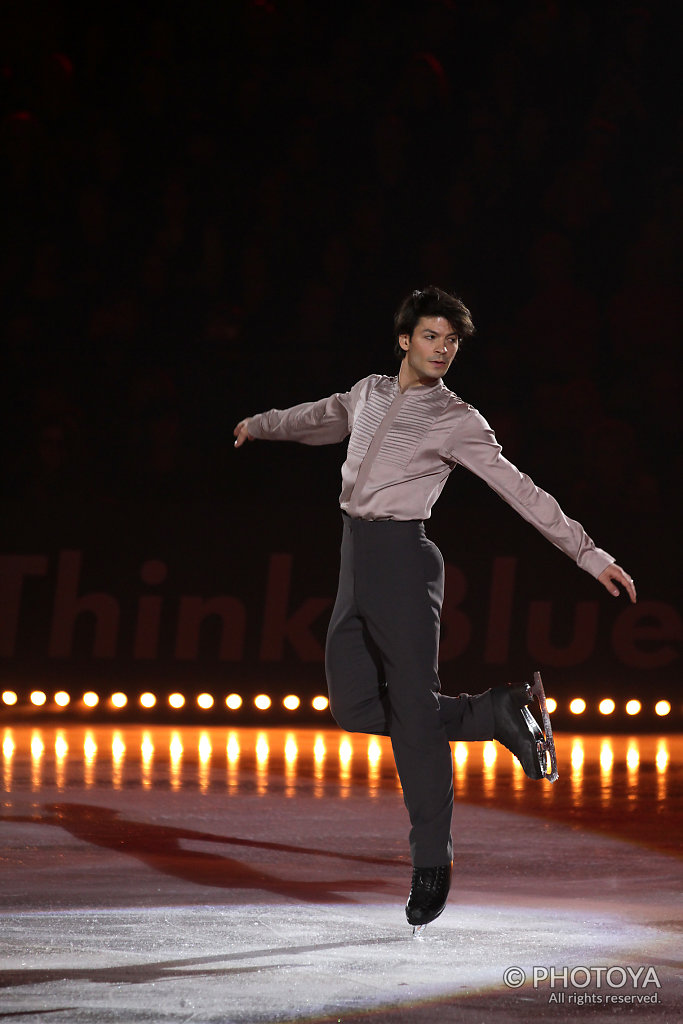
(276,898)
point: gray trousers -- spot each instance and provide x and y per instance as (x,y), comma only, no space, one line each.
(381,664)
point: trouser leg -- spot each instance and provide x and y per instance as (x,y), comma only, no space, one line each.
(468,716)
(353,664)
(399,591)
(381,664)
(355,672)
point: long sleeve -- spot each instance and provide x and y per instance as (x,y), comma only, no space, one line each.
(324,422)
(474,445)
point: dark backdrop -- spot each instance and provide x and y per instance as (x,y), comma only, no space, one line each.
(213,209)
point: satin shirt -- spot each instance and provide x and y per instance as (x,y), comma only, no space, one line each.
(404,445)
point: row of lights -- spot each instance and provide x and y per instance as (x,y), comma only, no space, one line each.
(608,707)
(175,700)
(291,702)
(346,750)
(577,706)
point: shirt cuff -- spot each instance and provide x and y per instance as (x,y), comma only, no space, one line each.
(595,561)
(254,428)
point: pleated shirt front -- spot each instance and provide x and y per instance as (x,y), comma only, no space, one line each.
(404,445)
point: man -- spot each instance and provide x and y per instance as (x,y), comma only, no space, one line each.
(407,434)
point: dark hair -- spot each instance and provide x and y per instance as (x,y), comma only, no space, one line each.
(431,301)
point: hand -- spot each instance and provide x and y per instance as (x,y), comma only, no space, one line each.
(615,574)
(241,432)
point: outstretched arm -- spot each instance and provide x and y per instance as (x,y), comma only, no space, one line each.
(474,445)
(327,421)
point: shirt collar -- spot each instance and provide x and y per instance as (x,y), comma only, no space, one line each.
(419,389)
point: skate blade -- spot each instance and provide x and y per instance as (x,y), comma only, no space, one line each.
(419,931)
(545,747)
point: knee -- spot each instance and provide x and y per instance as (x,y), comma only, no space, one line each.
(343,715)
(361,716)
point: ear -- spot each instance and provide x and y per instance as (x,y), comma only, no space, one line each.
(404,341)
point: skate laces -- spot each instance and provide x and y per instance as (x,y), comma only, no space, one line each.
(429,878)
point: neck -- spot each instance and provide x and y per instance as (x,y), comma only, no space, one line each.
(406,379)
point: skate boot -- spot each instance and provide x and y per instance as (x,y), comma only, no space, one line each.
(428,894)
(516,728)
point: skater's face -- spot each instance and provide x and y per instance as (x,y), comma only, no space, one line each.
(430,350)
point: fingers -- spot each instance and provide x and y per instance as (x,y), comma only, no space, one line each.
(631,590)
(241,433)
(614,574)
(620,576)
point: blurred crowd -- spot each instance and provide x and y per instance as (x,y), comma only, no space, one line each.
(210,210)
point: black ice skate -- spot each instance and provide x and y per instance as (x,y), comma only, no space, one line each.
(517,729)
(428,894)
(546,746)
